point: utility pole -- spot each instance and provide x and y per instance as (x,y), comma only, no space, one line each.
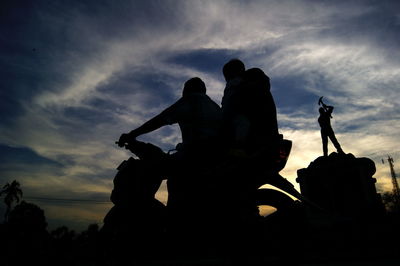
(396,190)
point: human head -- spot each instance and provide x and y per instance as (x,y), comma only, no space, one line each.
(194,85)
(258,76)
(233,68)
(321,110)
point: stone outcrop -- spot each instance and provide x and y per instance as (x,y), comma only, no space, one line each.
(343,185)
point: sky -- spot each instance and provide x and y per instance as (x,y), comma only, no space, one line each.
(75,75)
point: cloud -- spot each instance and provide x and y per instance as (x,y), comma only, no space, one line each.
(75,80)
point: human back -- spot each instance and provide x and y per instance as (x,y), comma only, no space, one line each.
(259,106)
(199,119)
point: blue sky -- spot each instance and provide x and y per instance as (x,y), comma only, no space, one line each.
(77,74)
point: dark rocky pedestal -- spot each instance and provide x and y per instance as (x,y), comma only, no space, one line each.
(343,185)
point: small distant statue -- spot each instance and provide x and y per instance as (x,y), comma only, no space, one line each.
(324,120)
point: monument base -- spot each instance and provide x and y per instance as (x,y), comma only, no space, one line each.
(342,185)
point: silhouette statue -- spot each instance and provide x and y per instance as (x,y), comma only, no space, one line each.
(324,120)
(189,185)
(251,128)
(256,152)
(214,176)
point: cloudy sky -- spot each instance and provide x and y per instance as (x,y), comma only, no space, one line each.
(77,74)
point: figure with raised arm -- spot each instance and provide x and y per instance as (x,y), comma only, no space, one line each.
(324,120)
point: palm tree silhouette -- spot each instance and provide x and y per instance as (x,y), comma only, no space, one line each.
(13,193)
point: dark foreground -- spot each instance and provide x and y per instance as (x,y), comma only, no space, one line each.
(285,241)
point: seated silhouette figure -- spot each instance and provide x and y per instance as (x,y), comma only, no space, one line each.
(255,150)
(251,129)
(190,189)
(324,120)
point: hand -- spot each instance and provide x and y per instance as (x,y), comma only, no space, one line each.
(123,140)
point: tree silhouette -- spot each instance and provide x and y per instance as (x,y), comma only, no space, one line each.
(13,193)
(26,235)
(63,233)
(391,202)
(28,217)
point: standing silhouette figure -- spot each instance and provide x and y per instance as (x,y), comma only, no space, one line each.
(324,120)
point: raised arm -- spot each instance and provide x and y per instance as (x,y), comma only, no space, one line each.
(328,109)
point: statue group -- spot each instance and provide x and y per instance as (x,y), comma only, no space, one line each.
(213,177)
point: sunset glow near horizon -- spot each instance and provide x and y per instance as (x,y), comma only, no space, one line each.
(77,74)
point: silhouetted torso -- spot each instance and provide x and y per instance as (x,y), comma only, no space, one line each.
(249,111)
(260,108)
(324,119)
(189,184)
(199,119)
(230,108)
